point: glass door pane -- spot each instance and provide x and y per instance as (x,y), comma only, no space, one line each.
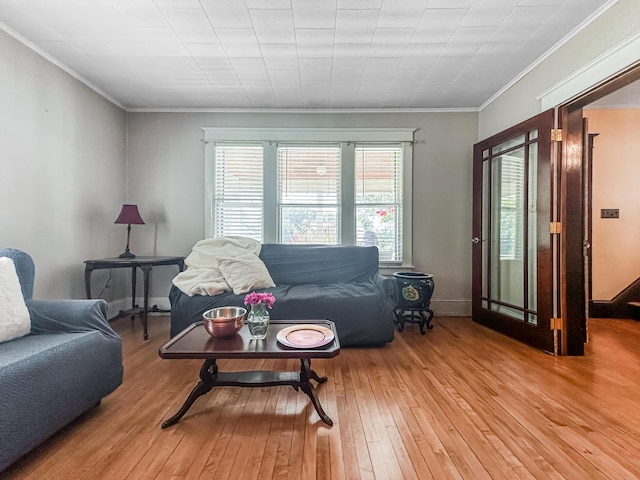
(509,205)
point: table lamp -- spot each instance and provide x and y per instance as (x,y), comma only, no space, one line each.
(129,215)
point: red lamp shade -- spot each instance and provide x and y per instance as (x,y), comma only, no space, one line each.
(129,215)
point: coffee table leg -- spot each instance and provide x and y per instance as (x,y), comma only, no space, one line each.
(314,376)
(207,373)
(306,375)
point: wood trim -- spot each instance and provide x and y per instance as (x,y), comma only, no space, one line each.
(618,306)
(572,292)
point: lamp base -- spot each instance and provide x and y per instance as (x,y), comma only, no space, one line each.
(127,254)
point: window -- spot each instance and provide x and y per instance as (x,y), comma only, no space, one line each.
(312,186)
(378,202)
(309,194)
(238,198)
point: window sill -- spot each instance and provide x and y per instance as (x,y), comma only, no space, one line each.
(388,270)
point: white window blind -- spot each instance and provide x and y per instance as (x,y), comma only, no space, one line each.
(378,198)
(238,190)
(309,193)
(512,198)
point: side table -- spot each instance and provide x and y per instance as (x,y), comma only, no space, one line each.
(143,263)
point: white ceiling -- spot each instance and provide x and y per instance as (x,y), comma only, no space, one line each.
(311,54)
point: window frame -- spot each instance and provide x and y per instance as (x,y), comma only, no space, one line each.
(347,138)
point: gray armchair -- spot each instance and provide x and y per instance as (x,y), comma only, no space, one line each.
(69,361)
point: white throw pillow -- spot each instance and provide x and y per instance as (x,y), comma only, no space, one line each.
(14,316)
(245,273)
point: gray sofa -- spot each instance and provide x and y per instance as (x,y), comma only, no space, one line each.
(339,283)
(70,360)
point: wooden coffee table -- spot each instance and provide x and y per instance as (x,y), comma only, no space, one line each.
(195,342)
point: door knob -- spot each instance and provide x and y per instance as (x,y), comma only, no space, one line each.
(475,240)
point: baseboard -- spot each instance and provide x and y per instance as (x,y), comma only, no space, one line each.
(441,307)
(451,307)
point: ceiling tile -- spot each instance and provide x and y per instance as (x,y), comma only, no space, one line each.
(392,36)
(405,14)
(260,96)
(273,26)
(356,26)
(315,70)
(350,56)
(190,25)
(437,26)
(381,68)
(421,56)
(269,4)
(285,78)
(222,77)
(359,4)
(239,42)
(178,4)
(482,15)
(315,94)
(249,68)
(204,50)
(315,42)
(227,14)
(314,14)
(139,13)
(346,75)
(280,56)
(288,97)
(451,3)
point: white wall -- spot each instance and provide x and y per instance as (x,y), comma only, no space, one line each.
(519,102)
(63,171)
(166,158)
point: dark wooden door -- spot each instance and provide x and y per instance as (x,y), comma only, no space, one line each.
(512,252)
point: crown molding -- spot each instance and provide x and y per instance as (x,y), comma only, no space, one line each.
(303,110)
(621,56)
(9,31)
(551,51)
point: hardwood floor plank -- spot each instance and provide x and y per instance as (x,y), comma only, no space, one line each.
(461,402)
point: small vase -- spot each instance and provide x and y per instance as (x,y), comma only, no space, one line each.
(258,321)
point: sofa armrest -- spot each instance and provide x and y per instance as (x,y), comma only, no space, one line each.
(69,316)
(388,286)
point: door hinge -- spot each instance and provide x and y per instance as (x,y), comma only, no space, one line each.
(555,323)
(555,228)
(556,134)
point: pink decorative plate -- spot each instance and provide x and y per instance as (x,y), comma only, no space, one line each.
(305,336)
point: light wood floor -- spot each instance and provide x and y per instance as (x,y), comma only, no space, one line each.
(460,402)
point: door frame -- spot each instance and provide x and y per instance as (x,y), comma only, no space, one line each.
(572,283)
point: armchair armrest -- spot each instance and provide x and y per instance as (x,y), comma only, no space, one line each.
(69,316)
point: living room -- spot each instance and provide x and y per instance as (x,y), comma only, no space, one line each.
(72,157)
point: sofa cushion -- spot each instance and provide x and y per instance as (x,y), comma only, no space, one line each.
(319,264)
(245,273)
(14,316)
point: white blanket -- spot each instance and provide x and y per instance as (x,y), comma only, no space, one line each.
(202,275)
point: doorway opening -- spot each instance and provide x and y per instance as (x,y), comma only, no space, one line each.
(577,212)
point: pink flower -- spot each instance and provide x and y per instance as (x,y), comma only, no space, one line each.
(256,298)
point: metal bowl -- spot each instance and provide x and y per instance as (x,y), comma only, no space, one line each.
(224,322)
